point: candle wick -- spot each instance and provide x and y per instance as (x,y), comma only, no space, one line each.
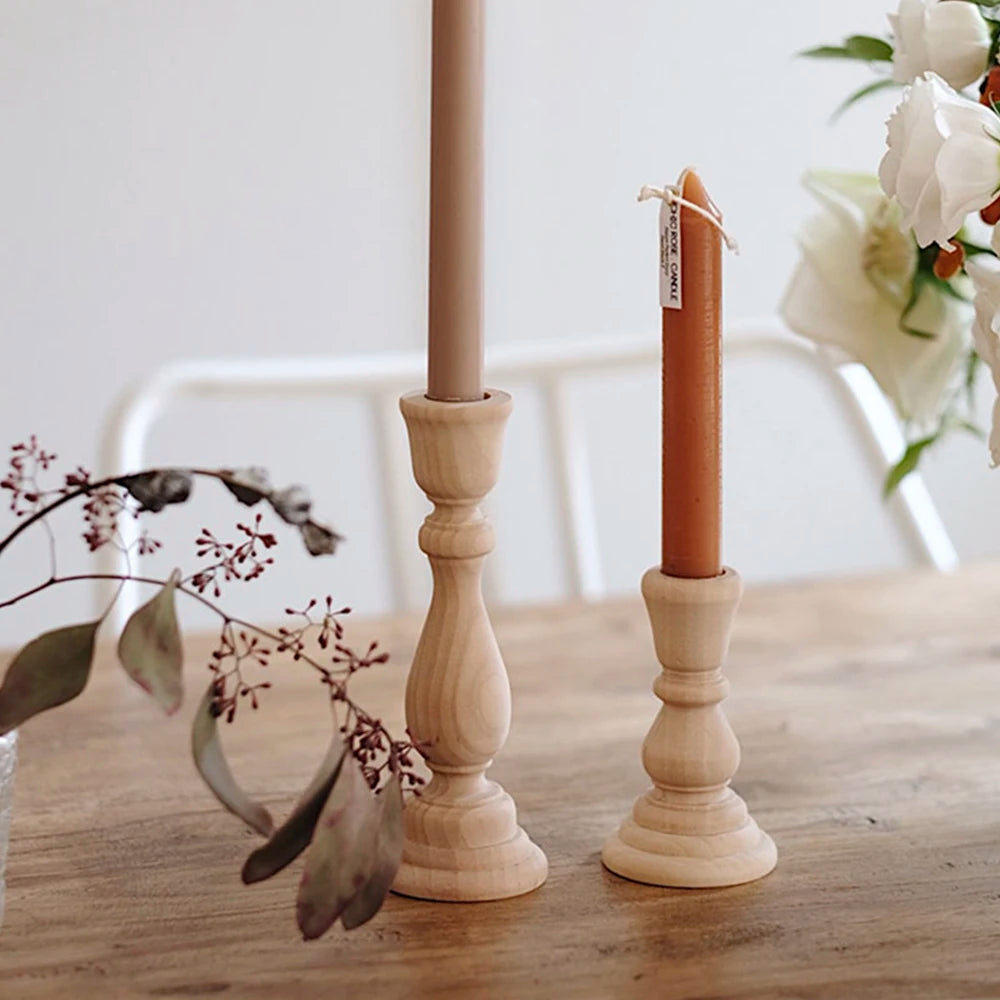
(672,196)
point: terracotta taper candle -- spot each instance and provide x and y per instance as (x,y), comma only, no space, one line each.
(692,392)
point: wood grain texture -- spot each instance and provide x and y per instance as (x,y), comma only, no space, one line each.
(690,829)
(869,714)
(463,842)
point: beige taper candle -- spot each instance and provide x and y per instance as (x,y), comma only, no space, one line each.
(455,314)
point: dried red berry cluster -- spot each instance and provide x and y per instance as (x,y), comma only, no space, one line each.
(243,561)
(27,460)
(100,514)
(235,649)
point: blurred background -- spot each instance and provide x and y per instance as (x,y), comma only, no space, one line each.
(192,180)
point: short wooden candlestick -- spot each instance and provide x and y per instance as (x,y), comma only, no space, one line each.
(691,829)
(462,842)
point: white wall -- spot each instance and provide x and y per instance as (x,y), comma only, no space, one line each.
(194,178)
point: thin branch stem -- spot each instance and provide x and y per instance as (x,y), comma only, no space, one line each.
(227,618)
(83,491)
(52,547)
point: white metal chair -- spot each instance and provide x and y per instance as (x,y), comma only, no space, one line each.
(380,379)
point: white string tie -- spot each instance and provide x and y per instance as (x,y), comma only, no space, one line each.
(672,196)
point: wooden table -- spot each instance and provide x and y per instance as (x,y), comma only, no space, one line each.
(869,713)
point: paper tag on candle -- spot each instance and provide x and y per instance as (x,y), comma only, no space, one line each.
(670,255)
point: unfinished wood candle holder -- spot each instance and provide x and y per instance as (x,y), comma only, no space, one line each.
(691,830)
(463,842)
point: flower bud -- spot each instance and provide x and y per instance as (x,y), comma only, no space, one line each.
(319,540)
(292,504)
(951,39)
(249,486)
(159,488)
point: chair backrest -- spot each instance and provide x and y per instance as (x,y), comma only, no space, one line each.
(551,371)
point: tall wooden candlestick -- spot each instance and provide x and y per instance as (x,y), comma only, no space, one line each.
(462,840)
(690,829)
(455,291)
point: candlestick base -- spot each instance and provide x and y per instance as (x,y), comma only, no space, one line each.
(464,844)
(690,830)
(462,841)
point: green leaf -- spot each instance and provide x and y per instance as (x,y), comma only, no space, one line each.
(865,48)
(869,48)
(150,647)
(914,332)
(343,854)
(861,92)
(971,372)
(970,428)
(826,52)
(946,287)
(49,671)
(921,278)
(971,249)
(907,464)
(369,900)
(208,758)
(296,833)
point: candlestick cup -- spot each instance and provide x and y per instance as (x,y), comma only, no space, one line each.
(690,829)
(462,840)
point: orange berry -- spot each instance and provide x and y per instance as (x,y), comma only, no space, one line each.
(949,262)
(990,94)
(991,214)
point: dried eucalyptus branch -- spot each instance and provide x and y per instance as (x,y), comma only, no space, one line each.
(350,815)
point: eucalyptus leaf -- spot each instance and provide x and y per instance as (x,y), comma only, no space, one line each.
(150,647)
(211,764)
(389,855)
(51,670)
(296,833)
(343,854)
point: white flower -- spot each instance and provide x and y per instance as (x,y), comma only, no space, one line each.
(986,330)
(943,159)
(949,38)
(852,286)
